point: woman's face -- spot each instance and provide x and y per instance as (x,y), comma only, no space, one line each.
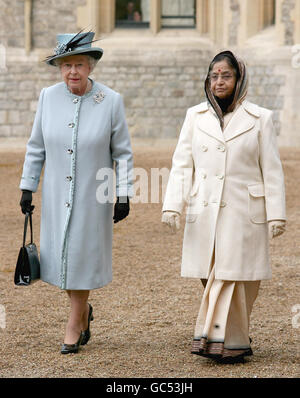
(75,70)
(222,79)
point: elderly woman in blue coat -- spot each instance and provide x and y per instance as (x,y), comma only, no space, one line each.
(80,136)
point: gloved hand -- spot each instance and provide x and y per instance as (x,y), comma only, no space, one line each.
(121,209)
(25,202)
(171,219)
(276,228)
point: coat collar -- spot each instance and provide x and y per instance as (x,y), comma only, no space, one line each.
(209,122)
(242,121)
(251,108)
(203,107)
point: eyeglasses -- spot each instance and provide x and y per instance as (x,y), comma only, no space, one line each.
(225,77)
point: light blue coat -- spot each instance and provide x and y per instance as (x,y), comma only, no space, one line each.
(79,139)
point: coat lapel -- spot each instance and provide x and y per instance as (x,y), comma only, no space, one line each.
(209,123)
(242,121)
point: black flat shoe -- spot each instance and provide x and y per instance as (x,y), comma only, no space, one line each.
(86,333)
(231,360)
(71,348)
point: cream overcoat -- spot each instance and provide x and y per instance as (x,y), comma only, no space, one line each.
(231,183)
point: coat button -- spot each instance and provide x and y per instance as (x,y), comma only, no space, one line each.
(205,203)
(69,178)
(223,204)
(221,148)
(204,175)
(204,148)
(220,176)
(71,125)
(67,204)
(70,151)
(75,100)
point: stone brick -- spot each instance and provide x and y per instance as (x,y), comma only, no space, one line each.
(13,117)
(3,117)
(178,93)
(5,131)
(21,130)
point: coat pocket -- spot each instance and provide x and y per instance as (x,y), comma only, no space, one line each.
(257,204)
(190,218)
(195,188)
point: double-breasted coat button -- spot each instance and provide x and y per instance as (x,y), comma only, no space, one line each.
(220,176)
(75,100)
(70,151)
(204,175)
(222,204)
(221,148)
(205,203)
(69,178)
(204,148)
(71,125)
(67,204)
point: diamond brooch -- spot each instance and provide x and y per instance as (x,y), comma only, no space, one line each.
(99,97)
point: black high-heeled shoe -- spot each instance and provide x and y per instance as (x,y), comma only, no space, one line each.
(72,348)
(86,333)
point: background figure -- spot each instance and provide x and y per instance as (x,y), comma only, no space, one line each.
(79,130)
(130,11)
(227,168)
(137,16)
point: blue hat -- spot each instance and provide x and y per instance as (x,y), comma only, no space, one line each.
(73,44)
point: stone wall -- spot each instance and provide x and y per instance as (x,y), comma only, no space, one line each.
(19,91)
(157,94)
(265,89)
(49,16)
(234,23)
(158,76)
(157,89)
(12,23)
(286,8)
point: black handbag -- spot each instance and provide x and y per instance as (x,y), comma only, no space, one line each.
(28,264)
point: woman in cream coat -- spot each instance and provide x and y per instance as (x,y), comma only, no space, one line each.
(227,170)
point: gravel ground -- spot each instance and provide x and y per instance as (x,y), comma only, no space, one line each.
(144,319)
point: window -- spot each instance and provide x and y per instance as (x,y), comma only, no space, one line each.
(132,14)
(268,10)
(178,14)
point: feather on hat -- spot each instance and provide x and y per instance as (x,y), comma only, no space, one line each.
(73,44)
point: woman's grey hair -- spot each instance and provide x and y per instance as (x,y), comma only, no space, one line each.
(91,60)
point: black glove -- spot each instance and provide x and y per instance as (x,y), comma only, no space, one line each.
(121,209)
(25,202)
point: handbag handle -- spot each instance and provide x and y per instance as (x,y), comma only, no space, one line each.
(28,215)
